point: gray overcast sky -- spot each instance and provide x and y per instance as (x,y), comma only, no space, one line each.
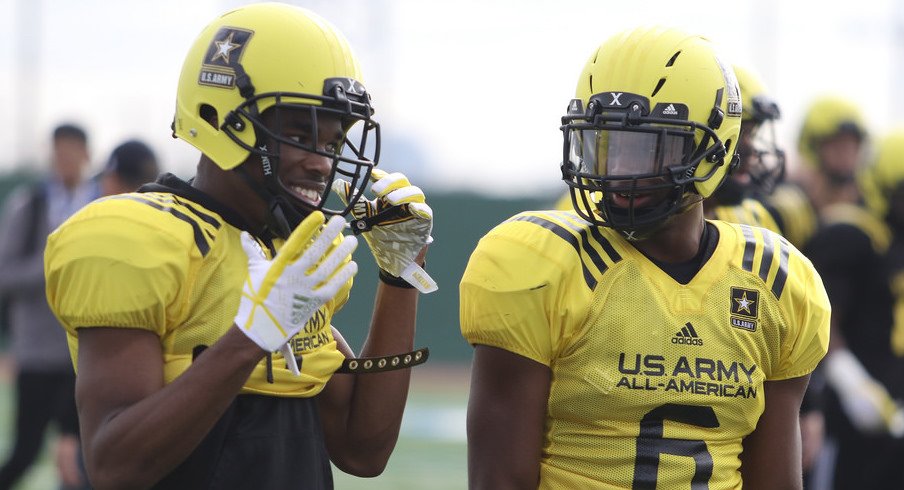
(474,88)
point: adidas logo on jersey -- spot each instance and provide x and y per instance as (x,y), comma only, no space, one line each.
(670,110)
(687,336)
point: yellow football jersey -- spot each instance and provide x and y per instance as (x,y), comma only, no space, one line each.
(654,383)
(749,212)
(164,263)
(798,216)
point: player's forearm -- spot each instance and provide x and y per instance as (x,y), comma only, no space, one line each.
(771,455)
(378,400)
(506,419)
(142,443)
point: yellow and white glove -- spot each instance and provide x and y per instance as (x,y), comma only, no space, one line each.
(867,404)
(282,294)
(396,225)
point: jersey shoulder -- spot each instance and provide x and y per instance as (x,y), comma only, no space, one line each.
(794,213)
(767,255)
(530,281)
(130,253)
(749,212)
(861,219)
(792,284)
(576,248)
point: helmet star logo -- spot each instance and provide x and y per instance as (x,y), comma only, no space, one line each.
(224,48)
(744,303)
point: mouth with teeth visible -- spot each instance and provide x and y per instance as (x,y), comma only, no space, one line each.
(308,191)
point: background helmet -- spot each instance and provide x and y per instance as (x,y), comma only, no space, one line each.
(882,180)
(765,161)
(827,116)
(656,113)
(271,57)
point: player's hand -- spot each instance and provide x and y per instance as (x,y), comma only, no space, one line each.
(282,294)
(867,403)
(396,239)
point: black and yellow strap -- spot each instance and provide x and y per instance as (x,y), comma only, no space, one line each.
(365,365)
(383,216)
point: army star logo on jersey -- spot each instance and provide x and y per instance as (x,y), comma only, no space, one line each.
(744,308)
(224,52)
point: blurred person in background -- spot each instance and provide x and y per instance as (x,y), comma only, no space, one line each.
(611,342)
(130,165)
(831,146)
(832,143)
(762,163)
(45,383)
(857,250)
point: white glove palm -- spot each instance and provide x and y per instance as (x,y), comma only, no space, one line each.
(281,295)
(867,404)
(397,238)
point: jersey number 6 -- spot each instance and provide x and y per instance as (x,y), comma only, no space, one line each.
(650,444)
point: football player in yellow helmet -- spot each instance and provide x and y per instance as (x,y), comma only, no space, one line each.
(831,143)
(629,343)
(199,314)
(883,184)
(859,253)
(762,162)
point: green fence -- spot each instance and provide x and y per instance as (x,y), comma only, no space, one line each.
(461,219)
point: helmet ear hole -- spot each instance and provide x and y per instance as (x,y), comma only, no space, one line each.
(209,114)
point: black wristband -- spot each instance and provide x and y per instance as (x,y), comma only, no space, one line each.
(392,280)
(396,280)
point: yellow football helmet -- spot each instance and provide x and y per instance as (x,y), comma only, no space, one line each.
(653,129)
(275,57)
(884,177)
(761,157)
(827,116)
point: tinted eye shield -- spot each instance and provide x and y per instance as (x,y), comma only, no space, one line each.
(659,137)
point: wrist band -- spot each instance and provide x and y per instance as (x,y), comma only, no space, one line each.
(387,363)
(396,280)
(392,280)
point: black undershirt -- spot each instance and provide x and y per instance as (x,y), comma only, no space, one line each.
(683,272)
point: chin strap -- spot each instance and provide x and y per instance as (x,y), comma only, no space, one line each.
(278,222)
(367,365)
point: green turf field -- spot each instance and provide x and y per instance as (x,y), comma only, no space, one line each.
(430,453)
